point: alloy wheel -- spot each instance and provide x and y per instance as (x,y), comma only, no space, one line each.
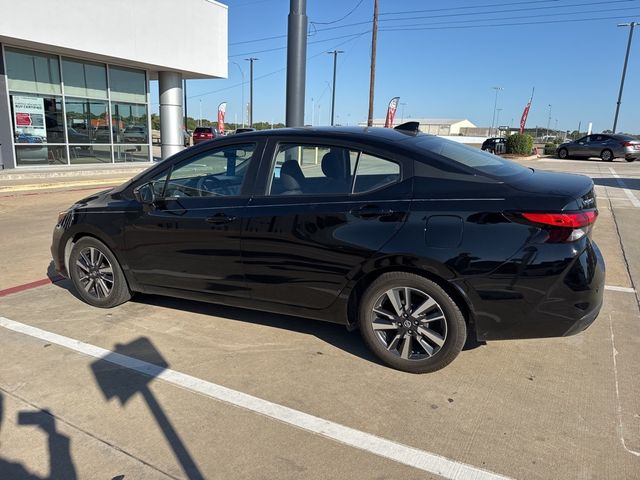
(409,323)
(95,272)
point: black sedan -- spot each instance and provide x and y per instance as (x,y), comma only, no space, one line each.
(415,240)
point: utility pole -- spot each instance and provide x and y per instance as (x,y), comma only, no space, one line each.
(549,120)
(402,104)
(296,62)
(624,70)
(333,89)
(372,78)
(495,105)
(251,60)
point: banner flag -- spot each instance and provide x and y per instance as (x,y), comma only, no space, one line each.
(222,108)
(525,113)
(391,112)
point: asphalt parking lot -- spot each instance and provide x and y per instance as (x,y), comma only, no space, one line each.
(164,388)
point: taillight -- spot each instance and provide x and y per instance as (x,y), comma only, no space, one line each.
(562,227)
(627,144)
(208,135)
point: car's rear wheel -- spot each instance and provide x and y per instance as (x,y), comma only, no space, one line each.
(606,155)
(630,160)
(411,323)
(96,274)
(563,153)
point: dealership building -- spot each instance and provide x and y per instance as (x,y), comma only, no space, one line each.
(74,76)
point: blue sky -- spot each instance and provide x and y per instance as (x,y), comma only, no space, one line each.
(442,59)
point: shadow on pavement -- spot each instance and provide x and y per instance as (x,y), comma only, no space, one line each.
(60,464)
(630,183)
(116,378)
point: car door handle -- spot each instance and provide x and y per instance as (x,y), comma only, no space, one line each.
(371,211)
(220,219)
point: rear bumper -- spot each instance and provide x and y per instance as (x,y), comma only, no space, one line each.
(542,300)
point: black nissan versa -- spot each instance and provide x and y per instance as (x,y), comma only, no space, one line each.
(415,240)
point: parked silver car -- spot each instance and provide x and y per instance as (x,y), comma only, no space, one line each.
(605,146)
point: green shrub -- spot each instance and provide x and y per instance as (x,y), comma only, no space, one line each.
(519,144)
(550,148)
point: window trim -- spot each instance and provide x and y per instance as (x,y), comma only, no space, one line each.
(255,159)
(356,147)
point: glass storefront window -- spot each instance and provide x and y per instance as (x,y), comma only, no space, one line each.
(31,155)
(90,154)
(131,153)
(84,79)
(36,118)
(131,120)
(32,72)
(88,121)
(127,85)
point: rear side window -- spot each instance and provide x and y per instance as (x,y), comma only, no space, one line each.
(457,153)
(373,173)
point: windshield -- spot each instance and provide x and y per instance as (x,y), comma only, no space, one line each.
(470,157)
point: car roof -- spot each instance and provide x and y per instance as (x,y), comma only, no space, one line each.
(362,134)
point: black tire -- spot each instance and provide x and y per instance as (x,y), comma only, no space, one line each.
(606,155)
(450,327)
(563,153)
(630,160)
(85,272)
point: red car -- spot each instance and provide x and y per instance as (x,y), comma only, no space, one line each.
(202,134)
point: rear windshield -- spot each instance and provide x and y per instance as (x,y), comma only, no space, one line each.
(467,156)
(202,130)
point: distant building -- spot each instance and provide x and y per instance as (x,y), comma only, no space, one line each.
(434,126)
(74,76)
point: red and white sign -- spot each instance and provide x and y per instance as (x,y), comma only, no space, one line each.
(29,120)
(222,109)
(525,114)
(391,112)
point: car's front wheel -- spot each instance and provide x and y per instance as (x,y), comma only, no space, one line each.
(563,153)
(96,274)
(411,323)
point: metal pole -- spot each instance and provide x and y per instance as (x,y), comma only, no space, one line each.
(296,62)
(624,71)
(495,105)
(243,106)
(549,120)
(372,77)
(333,89)
(251,60)
(184,89)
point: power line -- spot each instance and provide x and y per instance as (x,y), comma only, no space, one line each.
(510,24)
(513,18)
(527,9)
(284,47)
(341,18)
(277,71)
(487,5)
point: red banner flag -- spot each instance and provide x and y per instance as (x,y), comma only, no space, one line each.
(222,108)
(525,114)
(391,112)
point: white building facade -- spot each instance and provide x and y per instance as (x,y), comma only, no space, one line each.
(74,76)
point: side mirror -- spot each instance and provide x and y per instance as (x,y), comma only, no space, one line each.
(145,194)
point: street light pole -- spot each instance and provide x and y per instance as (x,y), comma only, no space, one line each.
(498,119)
(495,105)
(549,120)
(251,60)
(624,70)
(243,106)
(333,89)
(402,104)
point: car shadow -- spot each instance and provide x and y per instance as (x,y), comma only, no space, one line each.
(331,333)
(630,183)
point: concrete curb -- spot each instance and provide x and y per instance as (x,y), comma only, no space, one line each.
(62,185)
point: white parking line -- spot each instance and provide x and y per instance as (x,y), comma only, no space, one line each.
(620,289)
(406,455)
(623,186)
